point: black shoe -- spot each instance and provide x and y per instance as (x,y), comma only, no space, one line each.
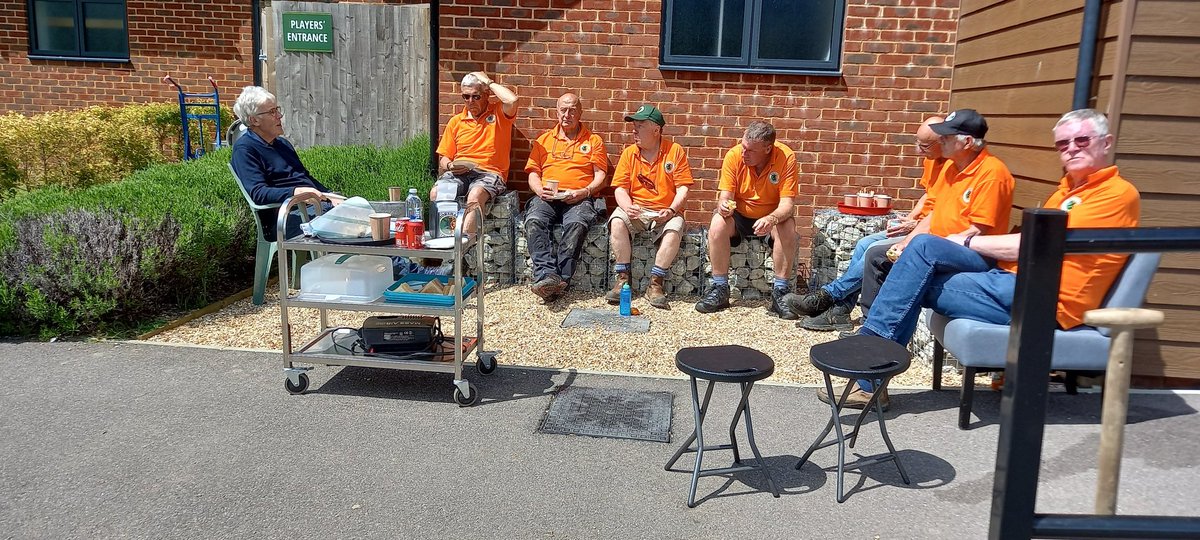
(834,318)
(716,299)
(778,307)
(847,333)
(809,304)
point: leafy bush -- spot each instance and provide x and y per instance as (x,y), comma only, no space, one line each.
(77,149)
(172,236)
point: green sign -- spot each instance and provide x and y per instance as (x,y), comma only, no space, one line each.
(308,32)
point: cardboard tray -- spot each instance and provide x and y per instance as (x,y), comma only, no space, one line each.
(395,296)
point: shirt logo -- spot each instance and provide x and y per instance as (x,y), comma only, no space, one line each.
(1070,203)
(773,177)
(491,119)
(669,166)
(966,198)
(584,148)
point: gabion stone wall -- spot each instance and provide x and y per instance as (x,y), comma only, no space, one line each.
(751,270)
(497,239)
(834,237)
(591,271)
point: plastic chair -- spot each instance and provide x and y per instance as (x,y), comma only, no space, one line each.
(983,347)
(264,253)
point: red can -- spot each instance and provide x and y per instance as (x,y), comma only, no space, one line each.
(416,232)
(402,232)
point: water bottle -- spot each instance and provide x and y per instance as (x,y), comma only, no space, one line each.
(626,298)
(412,205)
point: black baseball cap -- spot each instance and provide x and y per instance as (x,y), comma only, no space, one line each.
(962,122)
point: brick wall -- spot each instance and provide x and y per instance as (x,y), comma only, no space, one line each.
(188,39)
(849,132)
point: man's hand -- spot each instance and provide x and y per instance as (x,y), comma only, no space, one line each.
(634,210)
(664,216)
(576,195)
(906,226)
(307,191)
(764,225)
(458,168)
(725,207)
(482,77)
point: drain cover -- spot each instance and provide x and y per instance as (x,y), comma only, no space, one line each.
(607,319)
(610,412)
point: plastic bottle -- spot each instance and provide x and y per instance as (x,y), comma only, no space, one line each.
(626,298)
(412,205)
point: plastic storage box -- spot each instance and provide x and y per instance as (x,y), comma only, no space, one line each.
(353,278)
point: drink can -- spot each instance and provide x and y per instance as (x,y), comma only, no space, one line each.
(416,231)
(402,232)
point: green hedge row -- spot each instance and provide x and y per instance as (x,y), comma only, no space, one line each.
(116,257)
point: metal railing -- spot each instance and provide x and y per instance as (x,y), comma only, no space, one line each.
(1044,241)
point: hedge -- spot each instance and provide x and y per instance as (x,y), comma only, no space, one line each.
(115,257)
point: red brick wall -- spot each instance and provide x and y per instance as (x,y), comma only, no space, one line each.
(849,132)
(188,39)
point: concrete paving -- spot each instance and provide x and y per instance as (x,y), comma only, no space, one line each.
(150,441)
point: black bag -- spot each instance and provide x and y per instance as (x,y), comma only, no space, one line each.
(391,334)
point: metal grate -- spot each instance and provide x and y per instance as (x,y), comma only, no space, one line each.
(607,319)
(610,412)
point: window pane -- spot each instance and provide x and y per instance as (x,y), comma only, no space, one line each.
(791,30)
(104,28)
(55,26)
(707,27)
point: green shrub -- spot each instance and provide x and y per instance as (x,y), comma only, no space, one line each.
(172,236)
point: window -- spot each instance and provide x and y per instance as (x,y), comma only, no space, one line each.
(78,29)
(773,36)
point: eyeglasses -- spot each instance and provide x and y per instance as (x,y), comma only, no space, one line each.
(565,153)
(472,97)
(270,111)
(647,183)
(1083,141)
(923,146)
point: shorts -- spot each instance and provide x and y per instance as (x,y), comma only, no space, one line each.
(488,180)
(743,227)
(656,230)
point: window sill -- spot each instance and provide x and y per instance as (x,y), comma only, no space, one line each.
(766,71)
(79,58)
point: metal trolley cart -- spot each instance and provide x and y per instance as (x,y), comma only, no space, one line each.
(194,110)
(296,380)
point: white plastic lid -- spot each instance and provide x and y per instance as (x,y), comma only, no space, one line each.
(412,190)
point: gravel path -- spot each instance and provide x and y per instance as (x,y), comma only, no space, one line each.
(528,333)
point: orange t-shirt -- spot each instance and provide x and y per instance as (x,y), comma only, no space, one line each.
(981,193)
(1105,200)
(573,163)
(758,194)
(652,185)
(932,179)
(487,141)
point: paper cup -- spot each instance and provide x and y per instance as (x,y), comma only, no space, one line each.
(883,201)
(380,225)
(865,200)
(396,194)
(850,199)
(552,185)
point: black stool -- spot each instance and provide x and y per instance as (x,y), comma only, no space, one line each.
(728,363)
(857,357)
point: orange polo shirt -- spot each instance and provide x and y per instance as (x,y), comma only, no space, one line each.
(932,179)
(652,185)
(572,162)
(758,194)
(981,193)
(1105,200)
(486,140)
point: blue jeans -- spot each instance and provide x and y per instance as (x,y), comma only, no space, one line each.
(847,285)
(937,273)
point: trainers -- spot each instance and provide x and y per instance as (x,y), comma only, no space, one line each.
(778,307)
(857,399)
(655,293)
(614,295)
(716,299)
(809,304)
(834,318)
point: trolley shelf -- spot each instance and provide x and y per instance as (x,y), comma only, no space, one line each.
(306,243)
(378,305)
(442,362)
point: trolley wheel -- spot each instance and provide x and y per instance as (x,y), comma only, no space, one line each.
(486,364)
(294,389)
(464,401)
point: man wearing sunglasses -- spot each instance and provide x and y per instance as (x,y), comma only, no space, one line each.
(756,191)
(474,150)
(651,185)
(958,276)
(567,166)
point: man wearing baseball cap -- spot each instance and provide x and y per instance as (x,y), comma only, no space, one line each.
(650,184)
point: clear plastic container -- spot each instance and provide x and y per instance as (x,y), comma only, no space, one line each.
(351,278)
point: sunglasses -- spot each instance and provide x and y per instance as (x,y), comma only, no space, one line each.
(472,97)
(1082,141)
(647,183)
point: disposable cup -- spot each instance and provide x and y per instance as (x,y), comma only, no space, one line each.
(883,201)
(395,194)
(865,200)
(380,223)
(552,185)
(850,199)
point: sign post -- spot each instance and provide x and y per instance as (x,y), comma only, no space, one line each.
(308,32)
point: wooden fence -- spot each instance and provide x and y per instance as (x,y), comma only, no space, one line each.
(372,89)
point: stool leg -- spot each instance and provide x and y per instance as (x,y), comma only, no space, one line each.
(883,431)
(686,446)
(835,406)
(737,413)
(691,502)
(746,387)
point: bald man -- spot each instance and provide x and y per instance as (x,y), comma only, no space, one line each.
(567,167)
(829,307)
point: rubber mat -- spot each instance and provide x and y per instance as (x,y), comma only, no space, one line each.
(610,412)
(608,319)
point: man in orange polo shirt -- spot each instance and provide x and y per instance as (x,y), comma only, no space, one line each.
(757,188)
(567,166)
(651,185)
(975,200)
(955,276)
(473,152)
